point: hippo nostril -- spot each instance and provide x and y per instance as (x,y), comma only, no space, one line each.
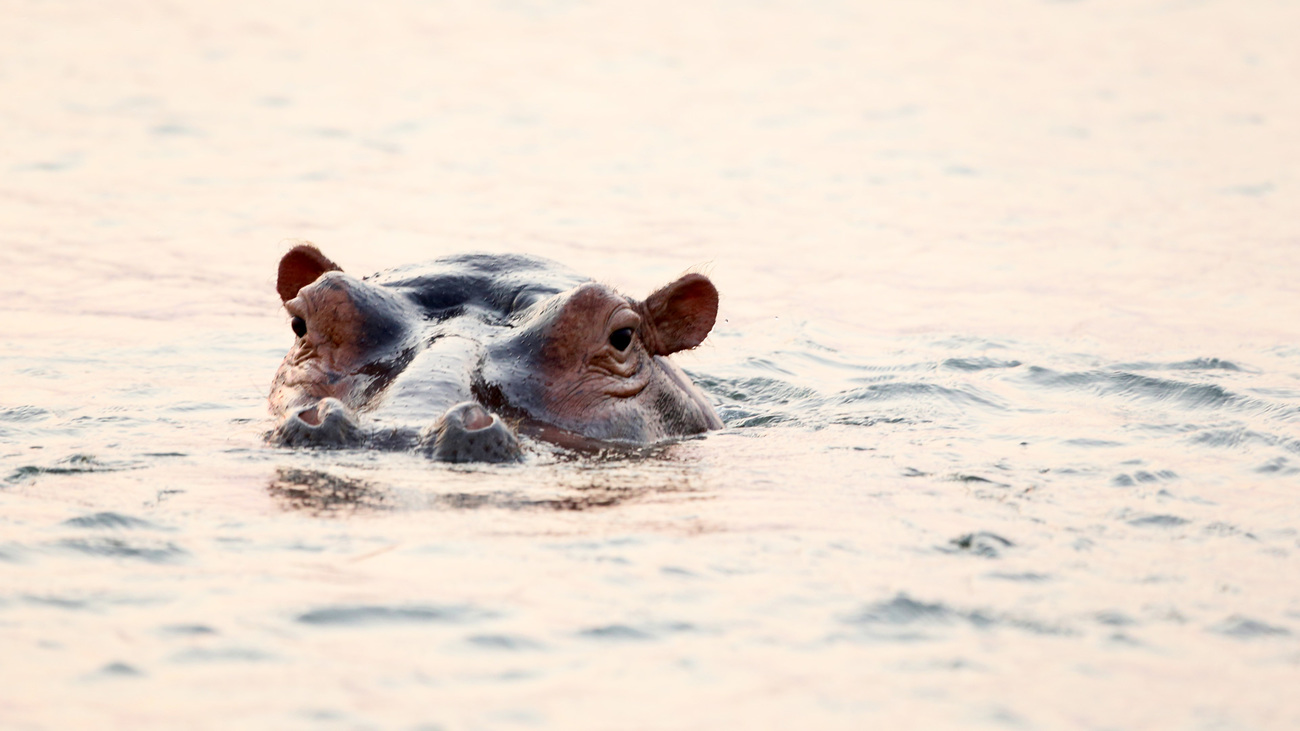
(310,416)
(468,432)
(327,424)
(475,417)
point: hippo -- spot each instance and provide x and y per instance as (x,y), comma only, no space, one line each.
(455,358)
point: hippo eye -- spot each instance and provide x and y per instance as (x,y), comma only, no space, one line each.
(621,338)
(299,326)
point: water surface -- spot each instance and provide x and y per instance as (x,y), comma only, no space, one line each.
(1007,357)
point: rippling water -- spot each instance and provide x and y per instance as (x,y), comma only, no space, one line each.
(1007,359)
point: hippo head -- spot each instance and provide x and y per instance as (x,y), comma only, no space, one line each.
(592,361)
(432,356)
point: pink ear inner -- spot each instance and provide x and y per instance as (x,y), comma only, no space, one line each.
(299,268)
(681,314)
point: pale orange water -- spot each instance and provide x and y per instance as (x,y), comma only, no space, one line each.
(1008,357)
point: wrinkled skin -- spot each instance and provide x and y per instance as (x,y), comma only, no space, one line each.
(432,357)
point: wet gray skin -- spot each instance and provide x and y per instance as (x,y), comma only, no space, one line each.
(452,357)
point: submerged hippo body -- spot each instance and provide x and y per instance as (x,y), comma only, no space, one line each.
(433,356)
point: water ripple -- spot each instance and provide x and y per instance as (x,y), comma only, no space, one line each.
(616,632)
(1195,364)
(503,642)
(1245,628)
(20,414)
(153,552)
(904,618)
(1199,396)
(72,465)
(979,364)
(109,520)
(1159,521)
(981,543)
(370,615)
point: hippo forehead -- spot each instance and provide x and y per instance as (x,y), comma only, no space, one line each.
(569,326)
(499,286)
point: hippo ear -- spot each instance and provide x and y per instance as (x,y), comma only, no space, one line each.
(299,268)
(681,314)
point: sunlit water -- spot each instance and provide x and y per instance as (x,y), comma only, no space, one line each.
(1007,357)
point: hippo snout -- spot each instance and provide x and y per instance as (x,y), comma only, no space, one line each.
(326,424)
(470,433)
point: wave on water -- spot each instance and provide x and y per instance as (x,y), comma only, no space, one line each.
(110,520)
(802,390)
(1190,395)
(368,615)
(800,379)
(111,547)
(24,414)
(978,386)
(73,465)
(907,619)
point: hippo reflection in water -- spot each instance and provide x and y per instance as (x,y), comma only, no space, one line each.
(432,356)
